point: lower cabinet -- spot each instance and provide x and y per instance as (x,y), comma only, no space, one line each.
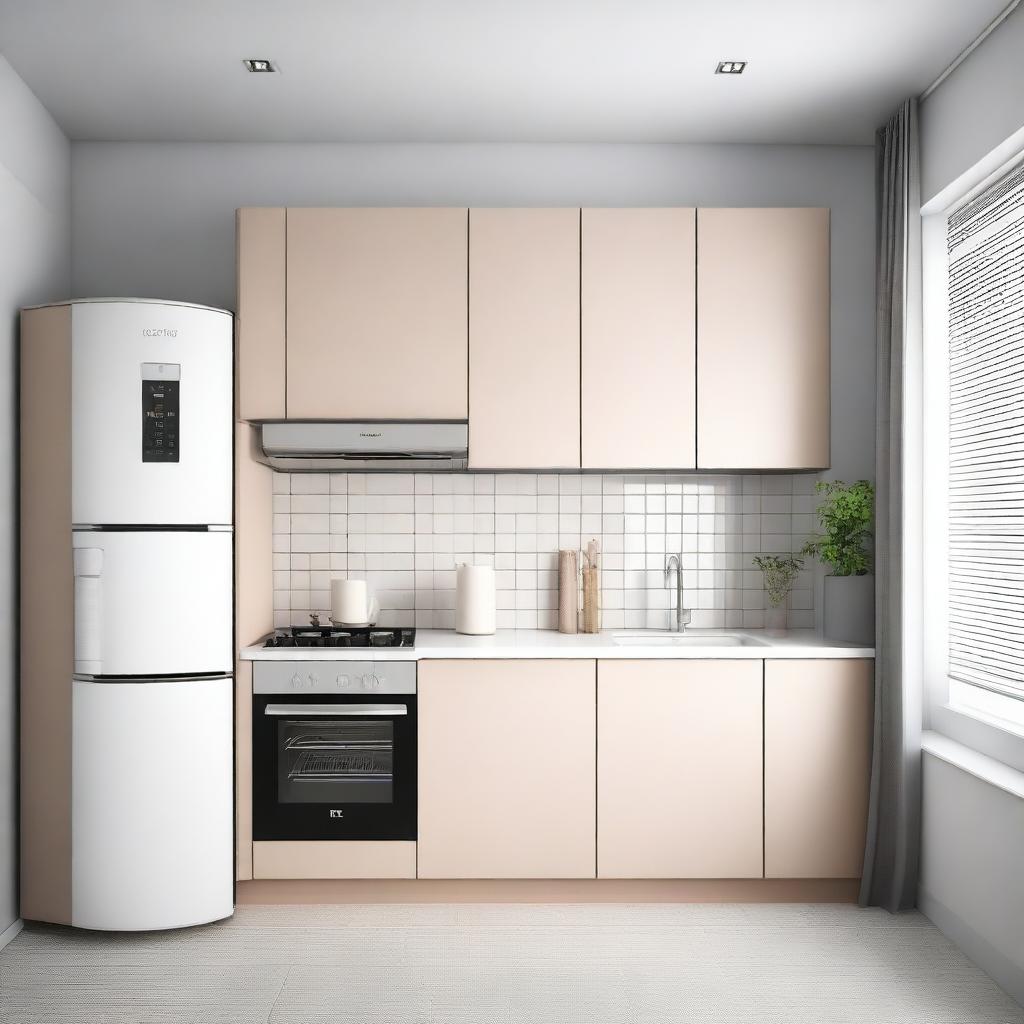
(277,859)
(817,761)
(679,761)
(626,769)
(506,769)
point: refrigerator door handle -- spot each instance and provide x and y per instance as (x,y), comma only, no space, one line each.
(197,677)
(88,610)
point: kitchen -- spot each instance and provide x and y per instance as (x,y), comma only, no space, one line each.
(406,532)
(504,455)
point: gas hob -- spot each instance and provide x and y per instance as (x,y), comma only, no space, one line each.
(336,636)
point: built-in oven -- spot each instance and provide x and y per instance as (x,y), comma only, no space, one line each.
(334,750)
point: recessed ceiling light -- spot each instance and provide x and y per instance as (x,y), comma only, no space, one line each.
(730,67)
(259,64)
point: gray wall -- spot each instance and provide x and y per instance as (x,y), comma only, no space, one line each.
(35,246)
(973,848)
(975,110)
(158,219)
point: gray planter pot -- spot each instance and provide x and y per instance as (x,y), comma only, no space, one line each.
(850,609)
(775,619)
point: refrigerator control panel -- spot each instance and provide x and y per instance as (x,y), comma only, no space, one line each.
(161,410)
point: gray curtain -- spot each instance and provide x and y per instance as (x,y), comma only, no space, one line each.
(894,814)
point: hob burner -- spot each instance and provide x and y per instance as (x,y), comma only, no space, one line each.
(331,636)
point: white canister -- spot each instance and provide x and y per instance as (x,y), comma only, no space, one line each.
(474,599)
(351,603)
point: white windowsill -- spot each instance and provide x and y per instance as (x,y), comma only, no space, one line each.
(992,721)
(977,731)
(981,766)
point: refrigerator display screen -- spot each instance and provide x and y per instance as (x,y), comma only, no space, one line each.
(160,420)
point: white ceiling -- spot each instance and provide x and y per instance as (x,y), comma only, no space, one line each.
(820,71)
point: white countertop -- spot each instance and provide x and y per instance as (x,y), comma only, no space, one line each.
(547,643)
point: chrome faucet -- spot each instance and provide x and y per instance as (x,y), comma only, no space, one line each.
(674,564)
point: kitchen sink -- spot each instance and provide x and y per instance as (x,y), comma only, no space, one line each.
(656,638)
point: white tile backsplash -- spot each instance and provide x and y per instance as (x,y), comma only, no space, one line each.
(405,533)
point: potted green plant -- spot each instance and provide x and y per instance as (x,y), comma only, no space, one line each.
(847,518)
(779,572)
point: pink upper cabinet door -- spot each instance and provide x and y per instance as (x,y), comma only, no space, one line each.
(638,337)
(260,369)
(763,339)
(524,339)
(377,313)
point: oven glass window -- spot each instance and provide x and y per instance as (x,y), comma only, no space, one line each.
(321,762)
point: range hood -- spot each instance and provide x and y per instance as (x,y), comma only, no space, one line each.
(319,446)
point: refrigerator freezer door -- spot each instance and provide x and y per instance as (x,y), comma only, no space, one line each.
(152,603)
(151,804)
(151,414)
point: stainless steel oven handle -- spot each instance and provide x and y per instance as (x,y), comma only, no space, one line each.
(336,710)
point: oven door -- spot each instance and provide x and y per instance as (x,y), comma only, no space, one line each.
(334,767)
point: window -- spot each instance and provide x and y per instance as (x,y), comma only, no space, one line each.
(985,244)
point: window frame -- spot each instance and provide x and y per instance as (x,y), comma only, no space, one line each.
(951,708)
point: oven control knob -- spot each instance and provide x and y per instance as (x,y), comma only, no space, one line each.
(297,681)
(343,681)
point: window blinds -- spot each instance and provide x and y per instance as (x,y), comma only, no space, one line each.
(986,438)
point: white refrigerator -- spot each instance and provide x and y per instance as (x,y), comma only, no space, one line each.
(151,511)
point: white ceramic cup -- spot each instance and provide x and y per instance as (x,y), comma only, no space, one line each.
(351,604)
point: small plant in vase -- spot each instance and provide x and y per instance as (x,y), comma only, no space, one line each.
(779,572)
(847,517)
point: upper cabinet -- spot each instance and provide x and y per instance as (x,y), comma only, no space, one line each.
(260,351)
(638,338)
(376,321)
(763,338)
(608,339)
(524,339)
